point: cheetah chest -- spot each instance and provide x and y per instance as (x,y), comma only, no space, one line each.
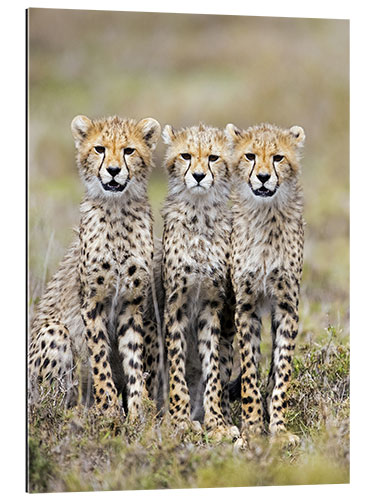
(258,251)
(205,255)
(116,258)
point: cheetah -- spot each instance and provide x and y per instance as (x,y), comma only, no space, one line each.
(195,273)
(266,261)
(97,312)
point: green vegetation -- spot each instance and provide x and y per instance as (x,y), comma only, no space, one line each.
(182,69)
(76,450)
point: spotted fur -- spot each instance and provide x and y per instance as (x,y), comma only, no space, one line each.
(97,311)
(266,260)
(196,255)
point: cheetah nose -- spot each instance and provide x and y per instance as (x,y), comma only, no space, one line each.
(263,177)
(113,170)
(198,177)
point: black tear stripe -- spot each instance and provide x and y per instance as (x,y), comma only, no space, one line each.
(252,170)
(213,177)
(126,165)
(102,161)
(187,170)
(277,175)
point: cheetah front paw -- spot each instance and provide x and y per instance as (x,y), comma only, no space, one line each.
(251,443)
(234,432)
(196,426)
(285,439)
(222,432)
(240,444)
(251,435)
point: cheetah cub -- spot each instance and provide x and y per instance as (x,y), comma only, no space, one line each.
(96,312)
(195,274)
(266,260)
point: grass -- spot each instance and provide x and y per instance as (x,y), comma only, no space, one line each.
(75,450)
(181,70)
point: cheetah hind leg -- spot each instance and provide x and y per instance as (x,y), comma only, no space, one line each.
(51,366)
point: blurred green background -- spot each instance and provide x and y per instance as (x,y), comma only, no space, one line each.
(182,69)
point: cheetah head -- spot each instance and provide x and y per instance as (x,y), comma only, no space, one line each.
(114,154)
(265,157)
(196,160)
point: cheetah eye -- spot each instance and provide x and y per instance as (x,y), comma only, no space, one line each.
(250,156)
(99,149)
(213,158)
(186,156)
(278,158)
(128,151)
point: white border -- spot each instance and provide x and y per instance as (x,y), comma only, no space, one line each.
(362,234)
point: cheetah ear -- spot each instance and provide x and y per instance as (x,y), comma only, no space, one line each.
(151,131)
(298,135)
(80,126)
(232,132)
(168,134)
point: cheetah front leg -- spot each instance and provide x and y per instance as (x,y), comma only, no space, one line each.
(284,332)
(285,327)
(152,351)
(176,322)
(96,335)
(208,347)
(131,335)
(226,366)
(248,326)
